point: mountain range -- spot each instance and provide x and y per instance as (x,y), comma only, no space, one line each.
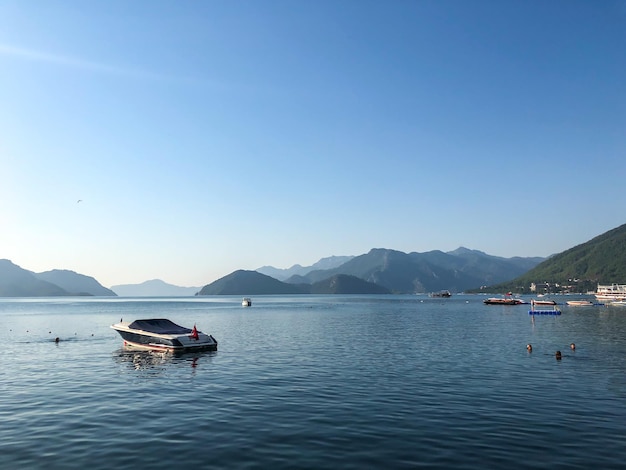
(383,270)
(600,260)
(254,283)
(18,282)
(401,272)
(379,271)
(298,270)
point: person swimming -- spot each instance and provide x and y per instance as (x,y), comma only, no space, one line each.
(558,355)
(572,346)
(529,347)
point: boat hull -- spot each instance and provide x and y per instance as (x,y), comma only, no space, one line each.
(579,303)
(149,346)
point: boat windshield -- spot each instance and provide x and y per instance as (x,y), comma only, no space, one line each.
(160,326)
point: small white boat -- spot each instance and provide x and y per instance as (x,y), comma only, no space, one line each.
(579,303)
(618,303)
(163,335)
(246,302)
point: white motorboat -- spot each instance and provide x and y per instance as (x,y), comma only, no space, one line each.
(165,335)
(508,299)
(246,302)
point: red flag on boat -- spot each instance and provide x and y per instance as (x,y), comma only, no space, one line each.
(194,333)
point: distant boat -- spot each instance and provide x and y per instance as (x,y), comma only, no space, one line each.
(611,292)
(441,293)
(544,302)
(618,303)
(508,299)
(579,303)
(246,302)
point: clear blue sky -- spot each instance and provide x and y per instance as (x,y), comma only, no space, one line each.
(205,137)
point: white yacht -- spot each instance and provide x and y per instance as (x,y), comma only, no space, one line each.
(608,293)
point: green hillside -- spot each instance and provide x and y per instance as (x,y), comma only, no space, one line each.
(601,260)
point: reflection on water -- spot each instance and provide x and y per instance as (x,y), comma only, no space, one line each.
(144,359)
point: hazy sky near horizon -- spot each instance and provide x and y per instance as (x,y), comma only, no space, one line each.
(205,137)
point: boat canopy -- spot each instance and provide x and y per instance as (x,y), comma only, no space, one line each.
(161,326)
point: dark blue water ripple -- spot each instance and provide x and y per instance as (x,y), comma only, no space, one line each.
(314,382)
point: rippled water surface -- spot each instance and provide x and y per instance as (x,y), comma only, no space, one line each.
(313,382)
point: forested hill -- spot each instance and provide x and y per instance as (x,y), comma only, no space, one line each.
(601,260)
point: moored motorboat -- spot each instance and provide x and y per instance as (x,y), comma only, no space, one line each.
(508,299)
(246,302)
(543,302)
(579,303)
(164,335)
(500,301)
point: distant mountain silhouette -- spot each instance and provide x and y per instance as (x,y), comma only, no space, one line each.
(344,284)
(250,283)
(154,288)
(297,270)
(74,283)
(18,282)
(426,272)
(254,283)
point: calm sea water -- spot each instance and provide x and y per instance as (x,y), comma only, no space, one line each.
(313,382)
